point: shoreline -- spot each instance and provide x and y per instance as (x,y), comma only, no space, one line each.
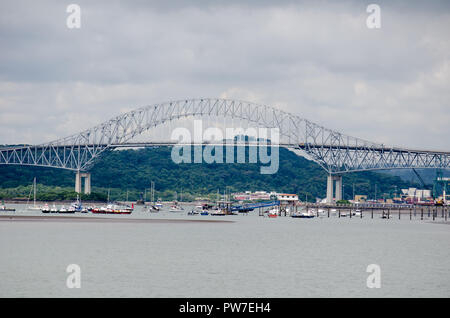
(59,218)
(18,201)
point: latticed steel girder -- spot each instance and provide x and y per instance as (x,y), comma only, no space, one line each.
(335,152)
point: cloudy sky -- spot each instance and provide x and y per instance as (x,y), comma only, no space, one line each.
(317,59)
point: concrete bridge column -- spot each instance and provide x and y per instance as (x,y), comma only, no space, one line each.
(78,182)
(87,182)
(331,180)
(330,189)
(338,187)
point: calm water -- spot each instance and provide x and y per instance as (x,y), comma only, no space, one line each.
(251,257)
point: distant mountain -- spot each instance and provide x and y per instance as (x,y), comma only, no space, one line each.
(427,175)
(134,169)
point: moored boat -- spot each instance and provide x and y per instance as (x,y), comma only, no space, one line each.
(176,208)
(152,208)
(34,206)
(273,213)
(63,209)
(309,214)
(218,212)
(45,208)
(4,208)
(113,209)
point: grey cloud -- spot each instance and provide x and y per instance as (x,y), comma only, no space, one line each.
(314,58)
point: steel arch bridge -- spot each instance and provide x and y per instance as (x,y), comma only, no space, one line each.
(335,152)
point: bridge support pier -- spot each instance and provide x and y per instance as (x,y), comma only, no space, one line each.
(87,182)
(331,181)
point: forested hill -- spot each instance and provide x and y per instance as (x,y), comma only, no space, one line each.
(133,170)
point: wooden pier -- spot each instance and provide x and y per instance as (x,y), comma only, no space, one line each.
(385,211)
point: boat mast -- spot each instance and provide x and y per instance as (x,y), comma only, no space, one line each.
(34,185)
(152,191)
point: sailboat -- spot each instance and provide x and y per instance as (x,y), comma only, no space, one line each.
(34,206)
(175,207)
(153,207)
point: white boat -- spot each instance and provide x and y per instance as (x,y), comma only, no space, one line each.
(357,213)
(76,206)
(113,209)
(273,213)
(218,212)
(176,208)
(4,208)
(302,214)
(152,208)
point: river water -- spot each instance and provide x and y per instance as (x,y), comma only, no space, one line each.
(252,256)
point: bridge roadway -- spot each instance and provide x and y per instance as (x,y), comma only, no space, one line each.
(301,146)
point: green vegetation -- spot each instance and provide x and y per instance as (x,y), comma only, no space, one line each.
(48,193)
(132,171)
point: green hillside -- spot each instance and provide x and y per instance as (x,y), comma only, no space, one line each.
(133,170)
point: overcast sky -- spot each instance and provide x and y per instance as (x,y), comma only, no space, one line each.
(316,59)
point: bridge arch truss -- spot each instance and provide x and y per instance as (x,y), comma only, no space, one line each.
(337,153)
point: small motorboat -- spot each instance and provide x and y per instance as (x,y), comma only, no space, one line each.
(45,208)
(4,208)
(304,215)
(69,210)
(192,212)
(113,209)
(273,213)
(204,212)
(357,213)
(176,208)
(218,212)
(152,208)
